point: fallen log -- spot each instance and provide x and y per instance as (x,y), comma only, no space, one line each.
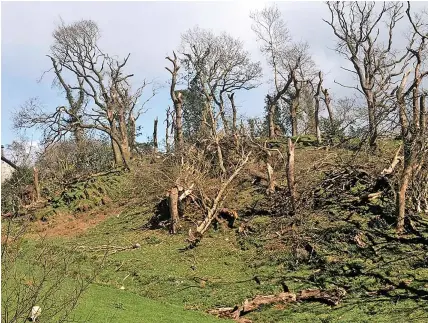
(327,297)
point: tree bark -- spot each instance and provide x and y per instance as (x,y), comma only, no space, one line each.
(118,161)
(155,136)
(234,112)
(271,180)
(36,183)
(290,174)
(401,201)
(177,99)
(317,108)
(173,210)
(167,147)
(271,115)
(327,101)
(223,116)
(293,117)
(372,123)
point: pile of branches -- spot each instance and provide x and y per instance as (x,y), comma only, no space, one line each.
(351,188)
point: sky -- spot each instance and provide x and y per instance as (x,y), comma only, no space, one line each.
(149,31)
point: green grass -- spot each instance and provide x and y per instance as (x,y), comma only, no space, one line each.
(106,304)
(163,283)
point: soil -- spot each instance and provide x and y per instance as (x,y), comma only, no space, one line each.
(71,224)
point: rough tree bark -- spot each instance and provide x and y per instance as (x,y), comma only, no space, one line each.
(234,112)
(290,174)
(295,103)
(177,99)
(155,136)
(167,129)
(36,183)
(317,108)
(413,131)
(173,209)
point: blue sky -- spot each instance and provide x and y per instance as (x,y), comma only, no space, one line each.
(149,31)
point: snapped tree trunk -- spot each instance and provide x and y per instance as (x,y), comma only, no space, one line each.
(290,174)
(132,133)
(203,226)
(178,105)
(327,101)
(271,180)
(271,115)
(372,124)
(401,201)
(167,147)
(317,120)
(223,116)
(234,112)
(173,209)
(155,136)
(36,183)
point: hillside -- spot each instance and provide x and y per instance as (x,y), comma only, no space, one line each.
(120,256)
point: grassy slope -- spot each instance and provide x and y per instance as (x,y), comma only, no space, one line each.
(107,304)
(220,273)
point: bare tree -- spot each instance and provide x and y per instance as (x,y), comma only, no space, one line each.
(273,36)
(317,107)
(97,78)
(284,58)
(413,121)
(220,66)
(357,27)
(177,99)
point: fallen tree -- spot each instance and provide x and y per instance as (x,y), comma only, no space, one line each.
(212,211)
(236,313)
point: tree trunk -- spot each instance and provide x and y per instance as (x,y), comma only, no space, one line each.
(271,115)
(234,112)
(126,154)
(327,101)
(372,123)
(220,157)
(118,161)
(290,174)
(36,183)
(271,180)
(155,136)
(167,130)
(317,121)
(223,116)
(173,209)
(132,133)
(401,201)
(293,116)
(178,105)
(252,128)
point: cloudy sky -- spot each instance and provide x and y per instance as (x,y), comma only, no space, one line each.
(149,31)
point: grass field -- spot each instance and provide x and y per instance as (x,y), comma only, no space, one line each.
(161,282)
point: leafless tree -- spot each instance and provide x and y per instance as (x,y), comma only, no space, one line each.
(177,99)
(284,58)
(221,66)
(413,120)
(82,68)
(357,26)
